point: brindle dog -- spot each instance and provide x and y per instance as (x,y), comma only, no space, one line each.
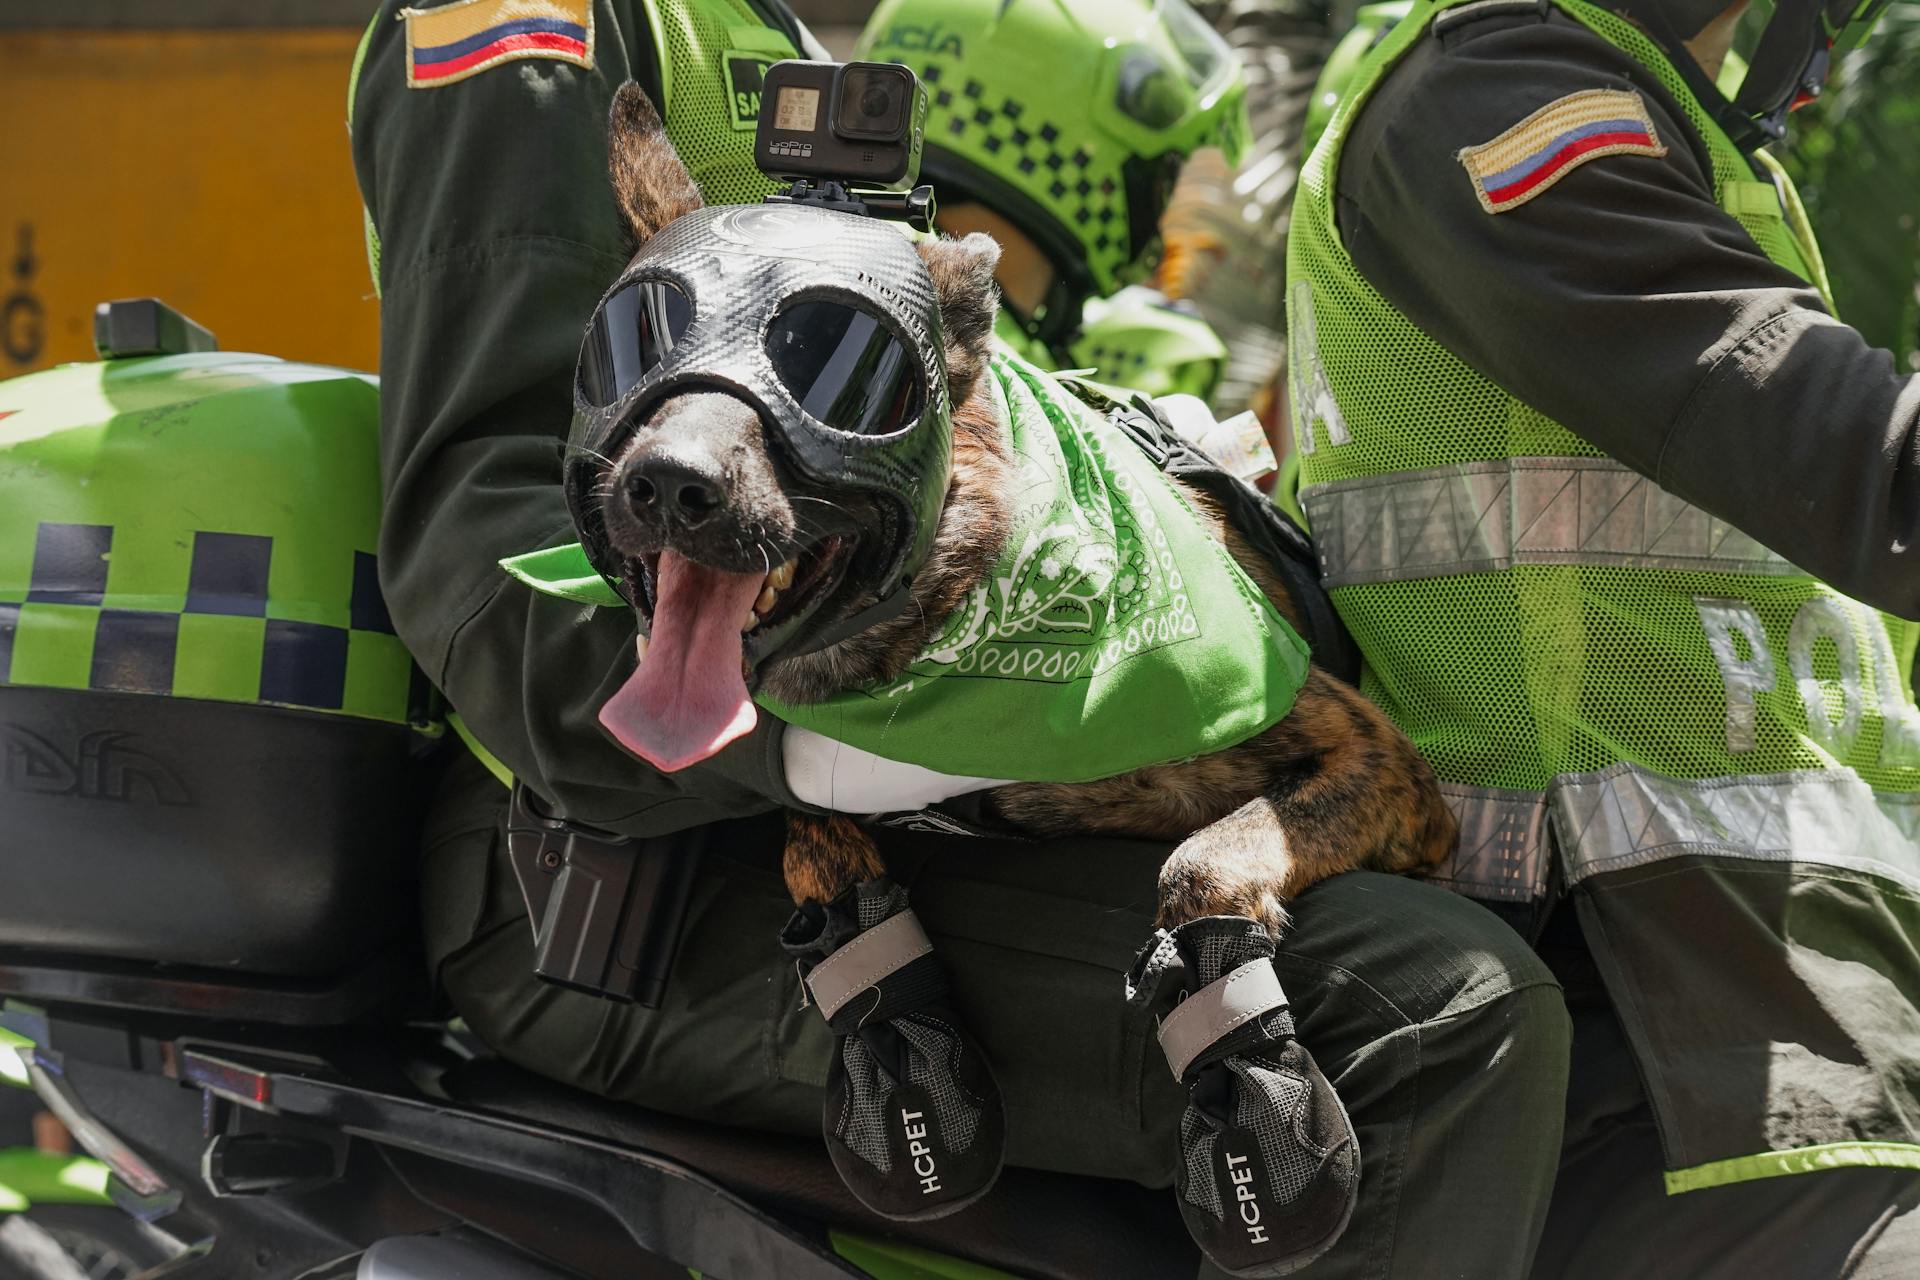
(1332,787)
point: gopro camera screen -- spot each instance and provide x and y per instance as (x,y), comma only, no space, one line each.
(797,109)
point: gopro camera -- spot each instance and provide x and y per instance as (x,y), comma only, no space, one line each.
(855,124)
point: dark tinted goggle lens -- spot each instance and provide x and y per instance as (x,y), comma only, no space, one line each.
(630,334)
(845,368)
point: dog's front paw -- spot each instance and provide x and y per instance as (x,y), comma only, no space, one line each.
(912,1118)
(1219,871)
(1269,1167)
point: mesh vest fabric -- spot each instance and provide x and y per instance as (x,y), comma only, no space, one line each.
(709,51)
(1605,639)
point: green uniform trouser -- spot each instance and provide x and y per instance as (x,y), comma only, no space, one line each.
(1443,1032)
(1611,1218)
(1446,1036)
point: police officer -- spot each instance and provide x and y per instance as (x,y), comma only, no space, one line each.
(1059,127)
(479,142)
(1612,504)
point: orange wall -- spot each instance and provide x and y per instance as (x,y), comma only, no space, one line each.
(207,168)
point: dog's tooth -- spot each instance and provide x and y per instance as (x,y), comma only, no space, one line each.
(768,595)
(782,578)
(749,622)
(640,647)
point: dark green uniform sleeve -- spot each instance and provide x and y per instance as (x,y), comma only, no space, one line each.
(498,234)
(1625,304)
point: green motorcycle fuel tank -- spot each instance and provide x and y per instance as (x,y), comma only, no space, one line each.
(203,705)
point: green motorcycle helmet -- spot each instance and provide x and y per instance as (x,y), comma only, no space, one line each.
(1072,118)
(1139,340)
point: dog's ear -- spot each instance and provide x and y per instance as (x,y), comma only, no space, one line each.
(650,184)
(962,273)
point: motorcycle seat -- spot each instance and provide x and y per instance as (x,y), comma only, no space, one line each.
(1033,1223)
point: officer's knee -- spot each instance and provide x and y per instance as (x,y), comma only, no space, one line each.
(1371,954)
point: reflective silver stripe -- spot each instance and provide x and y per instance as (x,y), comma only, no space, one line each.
(1480,517)
(1624,817)
(1503,854)
(886,948)
(1209,1014)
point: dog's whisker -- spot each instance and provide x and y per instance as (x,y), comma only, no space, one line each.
(591,453)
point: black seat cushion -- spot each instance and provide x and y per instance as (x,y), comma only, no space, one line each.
(1035,1224)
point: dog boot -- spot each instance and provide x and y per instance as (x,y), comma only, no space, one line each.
(912,1118)
(1269,1165)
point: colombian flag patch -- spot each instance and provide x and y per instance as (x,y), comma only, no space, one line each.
(454,41)
(1554,141)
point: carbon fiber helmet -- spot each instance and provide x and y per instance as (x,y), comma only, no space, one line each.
(828,324)
(1072,118)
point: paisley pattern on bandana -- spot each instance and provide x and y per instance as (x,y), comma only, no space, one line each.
(1114,633)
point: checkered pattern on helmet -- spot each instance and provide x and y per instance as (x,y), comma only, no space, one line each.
(1118,364)
(1030,151)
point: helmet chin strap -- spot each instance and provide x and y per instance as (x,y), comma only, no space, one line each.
(885,609)
(1747,133)
(1789,63)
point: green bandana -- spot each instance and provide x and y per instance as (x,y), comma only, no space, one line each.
(1114,633)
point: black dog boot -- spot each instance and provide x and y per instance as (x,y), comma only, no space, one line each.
(1269,1165)
(912,1119)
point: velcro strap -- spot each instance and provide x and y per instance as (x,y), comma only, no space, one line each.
(1204,1018)
(886,948)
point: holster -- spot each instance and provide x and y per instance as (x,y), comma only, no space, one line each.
(606,909)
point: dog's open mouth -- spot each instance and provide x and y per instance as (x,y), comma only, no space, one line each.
(786,591)
(688,698)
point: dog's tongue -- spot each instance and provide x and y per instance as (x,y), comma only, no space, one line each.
(687,699)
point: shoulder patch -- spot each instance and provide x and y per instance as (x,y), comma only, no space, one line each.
(1554,141)
(453,41)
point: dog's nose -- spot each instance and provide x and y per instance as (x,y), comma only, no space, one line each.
(673,488)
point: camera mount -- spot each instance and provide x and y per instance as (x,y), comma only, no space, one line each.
(915,208)
(847,137)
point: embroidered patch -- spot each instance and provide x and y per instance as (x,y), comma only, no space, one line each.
(454,41)
(1554,141)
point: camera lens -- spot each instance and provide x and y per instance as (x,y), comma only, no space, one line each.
(873,103)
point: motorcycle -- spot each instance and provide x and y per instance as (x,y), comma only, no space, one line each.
(212,749)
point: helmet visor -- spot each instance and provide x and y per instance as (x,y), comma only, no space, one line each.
(846,369)
(1171,69)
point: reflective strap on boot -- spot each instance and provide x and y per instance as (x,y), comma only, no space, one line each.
(884,949)
(1204,1018)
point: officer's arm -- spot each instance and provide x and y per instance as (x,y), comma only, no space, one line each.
(1625,304)
(497,236)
